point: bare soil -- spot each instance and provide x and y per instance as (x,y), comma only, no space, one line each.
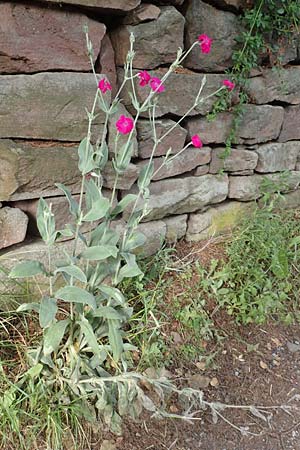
(254,365)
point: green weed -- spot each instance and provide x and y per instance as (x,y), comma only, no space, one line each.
(260,277)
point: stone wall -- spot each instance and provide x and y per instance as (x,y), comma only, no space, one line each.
(45,85)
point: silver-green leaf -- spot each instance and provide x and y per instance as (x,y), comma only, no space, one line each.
(27,269)
(74,294)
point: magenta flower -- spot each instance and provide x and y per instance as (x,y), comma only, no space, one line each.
(229,84)
(144,77)
(104,85)
(156,85)
(196,141)
(124,124)
(205,43)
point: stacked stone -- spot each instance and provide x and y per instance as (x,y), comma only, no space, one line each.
(46,84)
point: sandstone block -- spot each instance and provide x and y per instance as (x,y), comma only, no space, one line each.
(47,105)
(60,209)
(291,200)
(13,226)
(182,195)
(276,157)
(181,89)
(142,13)
(222,26)
(175,140)
(291,124)
(238,160)
(253,187)
(176,227)
(168,2)
(35,39)
(106,62)
(153,46)
(125,180)
(282,85)
(258,124)
(201,170)
(113,6)
(30,171)
(217,220)
(155,233)
(211,132)
(285,49)
(228,4)
(185,162)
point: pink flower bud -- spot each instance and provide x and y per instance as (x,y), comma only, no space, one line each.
(205,43)
(196,141)
(229,84)
(104,85)
(156,85)
(144,77)
(124,124)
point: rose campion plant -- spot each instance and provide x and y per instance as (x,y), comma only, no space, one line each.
(85,352)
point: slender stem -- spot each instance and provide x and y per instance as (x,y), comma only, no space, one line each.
(88,140)
(50,269)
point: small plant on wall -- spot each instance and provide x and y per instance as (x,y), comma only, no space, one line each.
(85,354)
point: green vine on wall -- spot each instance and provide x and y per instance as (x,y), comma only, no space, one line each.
(265,24)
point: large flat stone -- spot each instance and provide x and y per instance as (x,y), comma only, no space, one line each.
(153,46)
(185,162)
(61,211)
(259,123)
(223,27)
(125,180)
(237,160)
(182,195)
(115,6)
(155,233)
(181,89)
(106,62)
(252,187)
(231,5)
(47,105)
(13,226)
(30,171)
(276,157)
(282,85)
(291,124)
(211,131)
(36,39)
(175,140)
(217,220)
(168,2)
(291,200)
(176,227)
(142,13)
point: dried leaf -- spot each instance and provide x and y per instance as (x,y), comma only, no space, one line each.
(263,365)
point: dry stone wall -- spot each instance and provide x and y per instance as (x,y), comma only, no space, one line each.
(46,84)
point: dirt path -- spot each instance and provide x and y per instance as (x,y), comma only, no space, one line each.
(268,375)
